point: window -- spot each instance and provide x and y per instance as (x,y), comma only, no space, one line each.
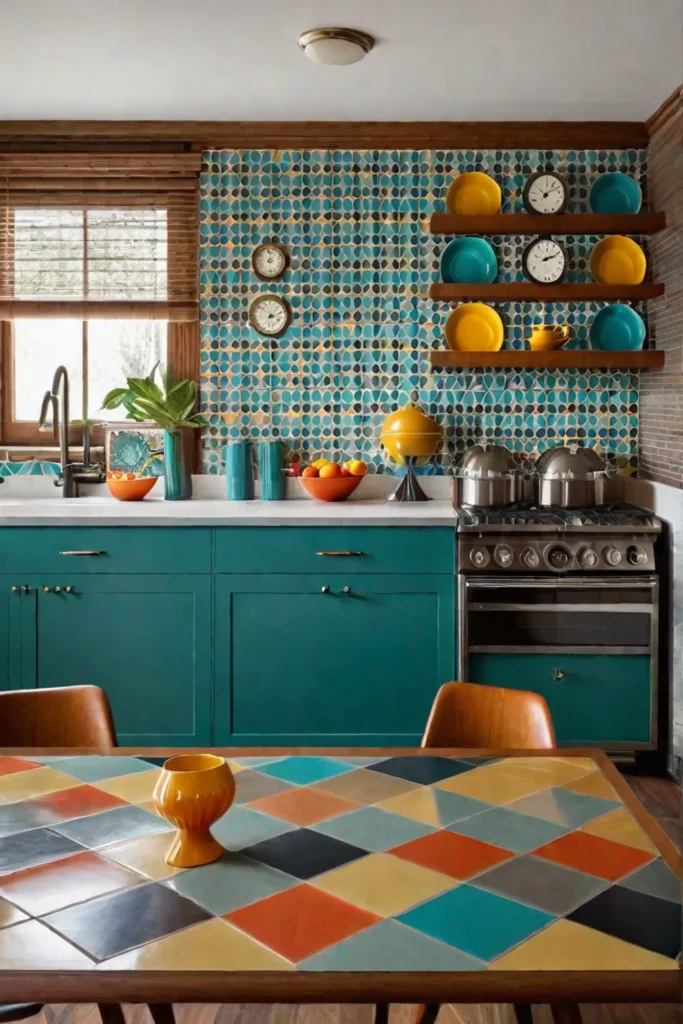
(101,278)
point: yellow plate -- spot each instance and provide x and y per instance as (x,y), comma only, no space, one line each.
(473,193)
(474,327)
(618,260)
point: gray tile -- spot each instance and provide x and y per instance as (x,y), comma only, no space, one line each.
(39,846)
(251,785)
(541,884)
(230,883)
(564,807)
(95,768)
(242,827)
(112,827)
(508,829)
(373,829)
(655,879)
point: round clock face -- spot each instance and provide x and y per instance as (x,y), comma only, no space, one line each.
(269,261)
(269,314)
(545,261)
(545,192)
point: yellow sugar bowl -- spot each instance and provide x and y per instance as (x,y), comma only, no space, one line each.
(192,792)
(410,432)
(545,338)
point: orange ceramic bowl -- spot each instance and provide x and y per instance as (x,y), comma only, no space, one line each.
(131,490)
(335,488)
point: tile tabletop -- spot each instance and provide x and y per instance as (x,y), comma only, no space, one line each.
(336,865)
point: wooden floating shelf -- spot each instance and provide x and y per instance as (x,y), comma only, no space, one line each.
(578,359)
(526,291)
(548,224)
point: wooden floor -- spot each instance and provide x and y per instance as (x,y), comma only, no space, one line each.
(662,797)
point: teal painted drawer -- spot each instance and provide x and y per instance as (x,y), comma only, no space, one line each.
(304,549)
(598,699)
(69,549)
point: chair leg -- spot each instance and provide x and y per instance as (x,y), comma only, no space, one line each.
(162,1013)
(523,1014)
(566,1013)
(381,1013)
(111,1013)
(427,1012)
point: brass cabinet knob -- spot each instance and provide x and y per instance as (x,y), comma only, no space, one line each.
(346,590)
(46,590)
(58,590)
(324,590)
(15,590)
(68,590)
(557,674)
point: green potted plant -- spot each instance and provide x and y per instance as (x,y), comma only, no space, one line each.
(172,407)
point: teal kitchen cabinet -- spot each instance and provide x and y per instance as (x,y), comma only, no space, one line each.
(595,699)
(17,634)
(145,639)
(300,661)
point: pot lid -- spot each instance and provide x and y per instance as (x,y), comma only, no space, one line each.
(569,463)
(487,461)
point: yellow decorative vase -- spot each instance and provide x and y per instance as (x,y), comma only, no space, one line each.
(192,792)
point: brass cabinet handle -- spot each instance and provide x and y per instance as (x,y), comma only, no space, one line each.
(324,590)
(557,674)
(26,588)
(339,554)
(93,553)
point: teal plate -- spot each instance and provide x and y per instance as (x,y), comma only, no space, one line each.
(616,193)
(469,260)
(617,328)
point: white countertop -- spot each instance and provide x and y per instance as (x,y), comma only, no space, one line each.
(101,511)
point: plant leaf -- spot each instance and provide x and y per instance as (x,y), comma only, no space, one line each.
(150,376)
(114,398)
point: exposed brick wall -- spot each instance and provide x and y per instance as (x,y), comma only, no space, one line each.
(661,391)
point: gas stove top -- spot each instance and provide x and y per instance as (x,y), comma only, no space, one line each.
(619,516)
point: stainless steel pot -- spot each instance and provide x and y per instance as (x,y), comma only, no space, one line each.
(570,477)
(488,477)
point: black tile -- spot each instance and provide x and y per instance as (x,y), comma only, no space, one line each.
(158,762)
(27,849)
(425,770)
(304,853)
(634,917)
(112,924)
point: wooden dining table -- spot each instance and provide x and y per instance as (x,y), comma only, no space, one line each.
(350,875)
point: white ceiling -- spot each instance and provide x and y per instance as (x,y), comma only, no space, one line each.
(434,60)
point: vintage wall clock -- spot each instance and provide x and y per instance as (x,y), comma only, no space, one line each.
(269,261)
(545,261)
(546,192)
(269,315)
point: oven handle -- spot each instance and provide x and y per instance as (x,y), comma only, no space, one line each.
(580,583)
(482,606)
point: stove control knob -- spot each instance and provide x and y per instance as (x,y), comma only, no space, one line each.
(480,558)
(588,559)
(613,557)
(530,558)
(636,555)
(504,555)
(559,557)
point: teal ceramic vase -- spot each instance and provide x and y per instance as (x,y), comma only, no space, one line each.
(177,478)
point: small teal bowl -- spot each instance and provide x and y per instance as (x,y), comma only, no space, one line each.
(616,193)
(617,328)
(469,260)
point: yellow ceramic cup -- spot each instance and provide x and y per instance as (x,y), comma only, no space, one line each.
(192,792)
(544,338)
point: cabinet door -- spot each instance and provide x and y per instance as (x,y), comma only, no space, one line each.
(296,665)
(146,640)
(17,634)
(595,699)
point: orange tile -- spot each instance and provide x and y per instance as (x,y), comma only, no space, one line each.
(80,801)
(452,854)
(10,765)
(594,855)
(63,882)
(301,921)
(593,784)
(304,806)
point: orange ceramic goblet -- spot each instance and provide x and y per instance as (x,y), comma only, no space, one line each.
(192,792)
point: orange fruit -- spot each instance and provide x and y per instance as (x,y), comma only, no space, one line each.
(329,471)
(319,463)
(357,467)
(344,471)
(310,471)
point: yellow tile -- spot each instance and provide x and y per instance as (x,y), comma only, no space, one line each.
(146,856)
(136,788)
(567,946)
(234,767)
(384,884)
(10,914)
(622,827)
(210,946)
(24,785)
(418,804)
(594,784)
(33,947)
(148,805)
(500,786)
(556,770)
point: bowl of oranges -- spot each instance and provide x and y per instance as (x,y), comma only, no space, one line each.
(328,481)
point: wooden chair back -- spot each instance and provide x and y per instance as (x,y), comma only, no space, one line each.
(66,716)
(470,715)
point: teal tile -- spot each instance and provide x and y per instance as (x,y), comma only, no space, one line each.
(98,768)
(390,946)
(242,827)
(564,807)
(452,807)
(232,882)
(373,829)
(109,827)
(509,829)
(477,922)
(304,770)
(255,762)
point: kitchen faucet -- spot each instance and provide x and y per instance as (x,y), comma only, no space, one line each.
(71,473)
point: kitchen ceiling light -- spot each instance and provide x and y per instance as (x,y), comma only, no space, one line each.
(335,45)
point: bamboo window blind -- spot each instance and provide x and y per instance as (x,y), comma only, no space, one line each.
(88,235)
